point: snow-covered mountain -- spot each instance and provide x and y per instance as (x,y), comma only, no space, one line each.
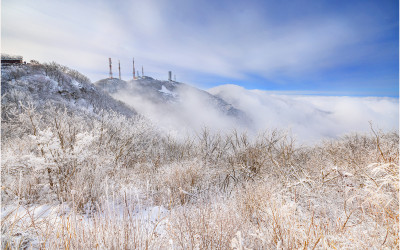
(174,104)
(181,108)
(43,84)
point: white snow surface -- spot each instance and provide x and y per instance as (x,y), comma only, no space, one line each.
(164,90)
(152,218)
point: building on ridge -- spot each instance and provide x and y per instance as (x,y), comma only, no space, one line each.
(7,59)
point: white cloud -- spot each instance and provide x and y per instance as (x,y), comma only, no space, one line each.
(311,118)
(187,114)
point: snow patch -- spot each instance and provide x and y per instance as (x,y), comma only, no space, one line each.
(166,91)
(76,84)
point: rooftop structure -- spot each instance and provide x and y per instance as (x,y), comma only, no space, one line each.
(7,59)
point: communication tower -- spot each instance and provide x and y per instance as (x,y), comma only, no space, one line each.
(109,60)
(133,62)
(119,69)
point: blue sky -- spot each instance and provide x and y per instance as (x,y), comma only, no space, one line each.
(304,47)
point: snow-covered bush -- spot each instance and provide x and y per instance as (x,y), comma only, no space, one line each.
(62,153)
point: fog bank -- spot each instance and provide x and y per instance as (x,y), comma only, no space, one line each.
(310,118)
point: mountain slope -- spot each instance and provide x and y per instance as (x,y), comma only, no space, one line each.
(42,84)
(175,104)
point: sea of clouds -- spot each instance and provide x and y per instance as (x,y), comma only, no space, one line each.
(310,118)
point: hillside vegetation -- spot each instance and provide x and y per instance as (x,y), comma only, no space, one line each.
(52,84)
(105,180)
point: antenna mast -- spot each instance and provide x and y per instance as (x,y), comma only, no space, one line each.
(142,71)
(119,69)
(133,60)
(109,60)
